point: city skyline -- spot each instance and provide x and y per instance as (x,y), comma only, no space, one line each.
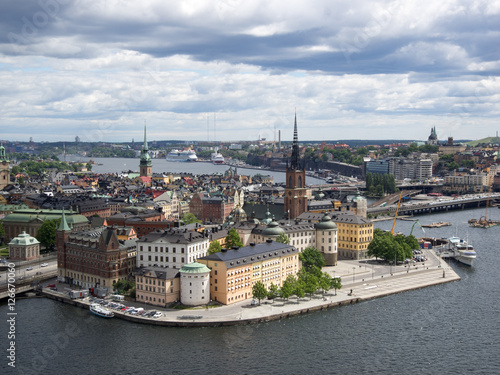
(235,70)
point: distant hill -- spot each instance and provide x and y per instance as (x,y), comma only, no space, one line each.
(493,140)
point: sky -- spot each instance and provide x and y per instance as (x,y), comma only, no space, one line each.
(233,70)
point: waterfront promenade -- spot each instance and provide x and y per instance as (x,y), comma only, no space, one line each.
(366,279)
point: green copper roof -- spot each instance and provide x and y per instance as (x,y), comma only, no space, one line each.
(273,230)
(24,239)
(63,225)
(326,223)
(194,268)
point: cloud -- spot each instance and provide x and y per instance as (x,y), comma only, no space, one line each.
(362,69)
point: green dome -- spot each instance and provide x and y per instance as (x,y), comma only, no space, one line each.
(273,230)
(326,223)
(194,268)
(267,220)
(24,239)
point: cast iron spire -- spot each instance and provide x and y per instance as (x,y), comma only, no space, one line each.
(295,147)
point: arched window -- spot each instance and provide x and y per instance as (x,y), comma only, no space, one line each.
(300,181)
(290,182)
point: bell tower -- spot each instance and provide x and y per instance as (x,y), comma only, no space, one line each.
(295,189)
(145,168)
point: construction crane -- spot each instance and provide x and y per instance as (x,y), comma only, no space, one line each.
(413,226)
(396,215)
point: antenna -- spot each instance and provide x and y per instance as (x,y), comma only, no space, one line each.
(208,130)
(215,135)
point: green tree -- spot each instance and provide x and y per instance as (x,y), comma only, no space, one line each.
(259,291)
(287,288)
(124,286)
(2,232)
(47,233)
(312,260)
(311,284)
(214,247)
(336,284)
(273,291)
(189,218)
(283,238)
(299,289)
(233,239)
(325,282)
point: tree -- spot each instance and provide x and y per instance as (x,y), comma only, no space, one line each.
(325,282)
(124,286)
(312,260)
(335,283)
(273,291)
(189,218)
(47,233)
(288,287)
(214,247)
(283,238)
(233,239)
(2,232)
(259,291)
(311,284)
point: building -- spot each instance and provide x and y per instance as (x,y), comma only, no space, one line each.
(433,139)
(466,183)
(234,272)
(4,169)
(171,248)
(208,208)
(29,220)
(295,199)
(195,284)
(157,286)
(24,247)
(145,167)
(354,233)
(93,258)
(414,168)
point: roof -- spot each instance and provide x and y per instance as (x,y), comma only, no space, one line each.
(194,268)
(24,239)
(251,254)
(158,272)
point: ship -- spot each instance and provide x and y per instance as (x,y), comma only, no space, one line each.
(217,157)
(458,249)
(98,310)
(182,155)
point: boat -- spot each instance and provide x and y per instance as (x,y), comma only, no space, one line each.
(483,222)
(458,249)
(437,225)
(182,155)
(217,157)
(98,310)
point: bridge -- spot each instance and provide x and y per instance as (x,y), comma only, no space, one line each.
(427,207)
(26,284)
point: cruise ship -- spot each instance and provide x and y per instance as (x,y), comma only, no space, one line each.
(182,155)
(217,158)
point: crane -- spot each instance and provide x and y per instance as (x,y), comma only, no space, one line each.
(396,215)
(413,226)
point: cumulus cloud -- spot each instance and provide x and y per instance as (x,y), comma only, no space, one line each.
(358,69)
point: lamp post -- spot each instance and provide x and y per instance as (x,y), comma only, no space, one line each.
(353,273)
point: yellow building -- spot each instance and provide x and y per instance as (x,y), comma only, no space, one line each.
(157,286)
(234,272)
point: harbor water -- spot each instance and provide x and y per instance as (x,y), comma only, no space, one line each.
(446,329)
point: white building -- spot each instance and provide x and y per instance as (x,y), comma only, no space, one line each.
(171,248)
(195,284)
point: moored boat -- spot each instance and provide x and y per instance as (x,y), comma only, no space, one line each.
(98,310)
(182,155)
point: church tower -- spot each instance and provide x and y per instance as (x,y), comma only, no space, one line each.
(145,168)
(295,189)
(4,169)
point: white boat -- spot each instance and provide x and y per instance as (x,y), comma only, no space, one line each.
(217,158)
(182,155)
(458,249)
(463,251)
(98,310)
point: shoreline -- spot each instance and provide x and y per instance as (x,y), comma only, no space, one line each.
(243,313)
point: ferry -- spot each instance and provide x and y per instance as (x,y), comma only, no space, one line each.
(217,158)
(456,248)
(182,155)
(98,310)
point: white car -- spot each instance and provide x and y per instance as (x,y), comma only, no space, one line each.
(157,315)
(44,265)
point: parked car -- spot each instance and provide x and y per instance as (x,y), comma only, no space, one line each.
(157,315)
(29,269)
(44,265)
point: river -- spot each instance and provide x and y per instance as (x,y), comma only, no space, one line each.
(117,165)
(452,328)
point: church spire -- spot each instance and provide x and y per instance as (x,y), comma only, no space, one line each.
(145,147)
(63,225)
(295,146)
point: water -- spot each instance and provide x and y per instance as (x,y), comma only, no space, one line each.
(117,165)
(446,329)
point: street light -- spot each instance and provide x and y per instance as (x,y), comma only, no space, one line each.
(353,273)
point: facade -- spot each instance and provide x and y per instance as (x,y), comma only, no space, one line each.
(410,168)
(234,272)
(171,249)
(93,258)
(213,209)
(145,167)
(157,286)
(377,166)
(295,199)
(24,247)
(4,169)
(466,183)
(354,233)
(29,220)
(195,284)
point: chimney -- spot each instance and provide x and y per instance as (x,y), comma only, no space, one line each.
(223,250)
(269,240)
(252,244)
(235,248)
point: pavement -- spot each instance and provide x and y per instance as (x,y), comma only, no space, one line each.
(361,280)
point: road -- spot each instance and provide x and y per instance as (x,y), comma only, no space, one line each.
(23,274)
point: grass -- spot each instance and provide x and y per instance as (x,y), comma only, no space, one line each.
(4,251)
